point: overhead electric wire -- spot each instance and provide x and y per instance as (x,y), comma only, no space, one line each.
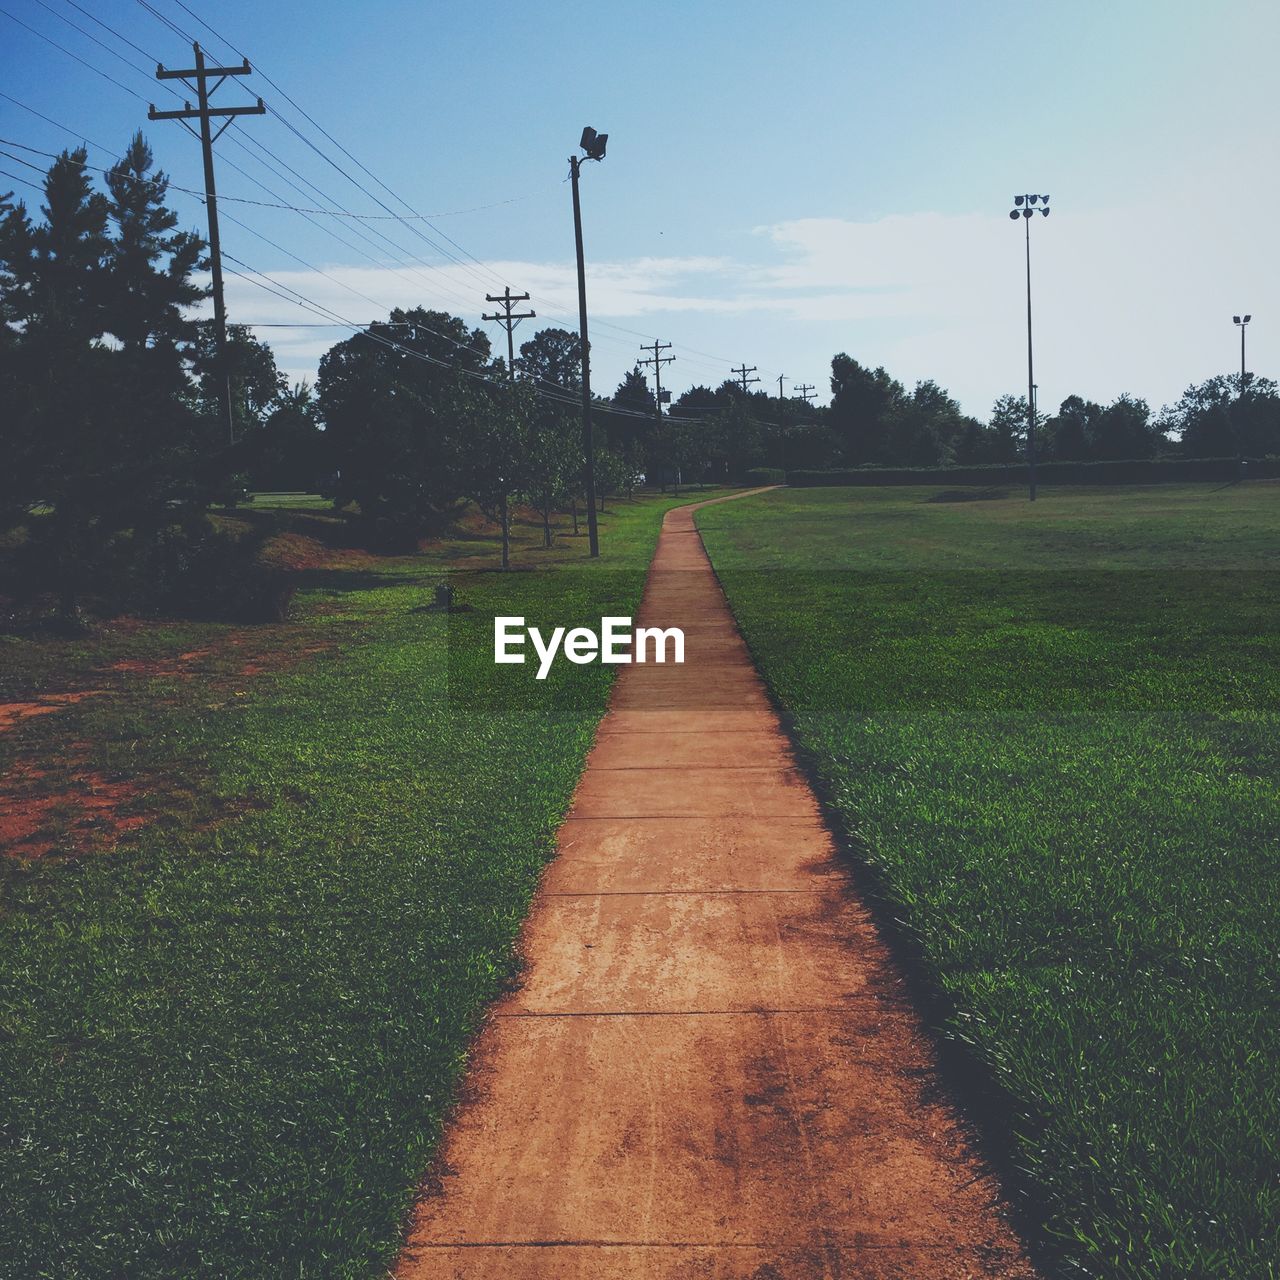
(560,310)
(26,182)
(63,48)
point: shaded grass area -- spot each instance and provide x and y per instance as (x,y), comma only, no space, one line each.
(226,1048)
(1053,733)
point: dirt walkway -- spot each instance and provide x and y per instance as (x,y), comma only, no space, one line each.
(711,1070)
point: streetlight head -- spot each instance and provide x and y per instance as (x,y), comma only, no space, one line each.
(1247,319)
(1018,199)
(593,143)
(1235,319)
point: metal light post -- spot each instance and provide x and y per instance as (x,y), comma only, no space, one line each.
(593,144)
(1024,207)
(1242,321)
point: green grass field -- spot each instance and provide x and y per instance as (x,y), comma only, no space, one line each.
(1053,733)
(226,1048)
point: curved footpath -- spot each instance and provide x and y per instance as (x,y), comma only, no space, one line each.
(711,1070)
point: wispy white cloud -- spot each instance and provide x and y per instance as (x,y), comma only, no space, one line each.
(1126,299)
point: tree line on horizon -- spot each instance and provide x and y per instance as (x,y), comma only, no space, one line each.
(114,449)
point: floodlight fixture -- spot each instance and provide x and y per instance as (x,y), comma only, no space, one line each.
(1242,321)
(1018,199)
(1032,199)
(593,144)
(1013,213)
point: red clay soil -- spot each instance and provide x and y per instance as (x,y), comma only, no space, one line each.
(13,713)
(86,817)
(712,1069)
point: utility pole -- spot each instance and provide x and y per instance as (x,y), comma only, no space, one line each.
(806,392)
(781,376)
(509,319)
(743,381)
(204,113)
(657,360)
(593,144)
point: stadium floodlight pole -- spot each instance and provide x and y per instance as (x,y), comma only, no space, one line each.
(1024,207)
(593,144)
(1242,321)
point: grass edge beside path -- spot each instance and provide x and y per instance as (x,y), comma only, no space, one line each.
(229,1049)
(1053,735)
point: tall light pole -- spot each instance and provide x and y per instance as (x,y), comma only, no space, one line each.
(1024,207)
(1242,321)
(593,144)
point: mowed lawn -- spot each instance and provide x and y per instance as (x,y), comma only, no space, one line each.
(227,1046)
(1053,732)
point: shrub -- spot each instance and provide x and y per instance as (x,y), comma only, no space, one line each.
(1131,471)
(197,570)
(187,568)
(765,475)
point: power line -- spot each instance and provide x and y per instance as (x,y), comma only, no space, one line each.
(114,32)
(558,308)
(63,48)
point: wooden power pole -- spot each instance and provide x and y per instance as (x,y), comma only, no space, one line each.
(203,112)
(508,320)
(657,360)
(743,380)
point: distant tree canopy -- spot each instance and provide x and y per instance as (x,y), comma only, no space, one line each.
(1227,416)
(553,359)
(112,421)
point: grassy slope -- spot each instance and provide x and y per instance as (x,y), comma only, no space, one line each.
(227,1050)
(1054,732)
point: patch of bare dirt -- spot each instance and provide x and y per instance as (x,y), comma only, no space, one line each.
(80,818)
(13,713)
(298,552)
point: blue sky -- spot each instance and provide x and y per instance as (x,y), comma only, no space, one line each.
(782,183)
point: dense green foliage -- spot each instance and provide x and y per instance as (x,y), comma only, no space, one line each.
(226,1050)
(1054,734)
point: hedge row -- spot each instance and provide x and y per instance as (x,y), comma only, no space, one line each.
(765,475)
(1132,471)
